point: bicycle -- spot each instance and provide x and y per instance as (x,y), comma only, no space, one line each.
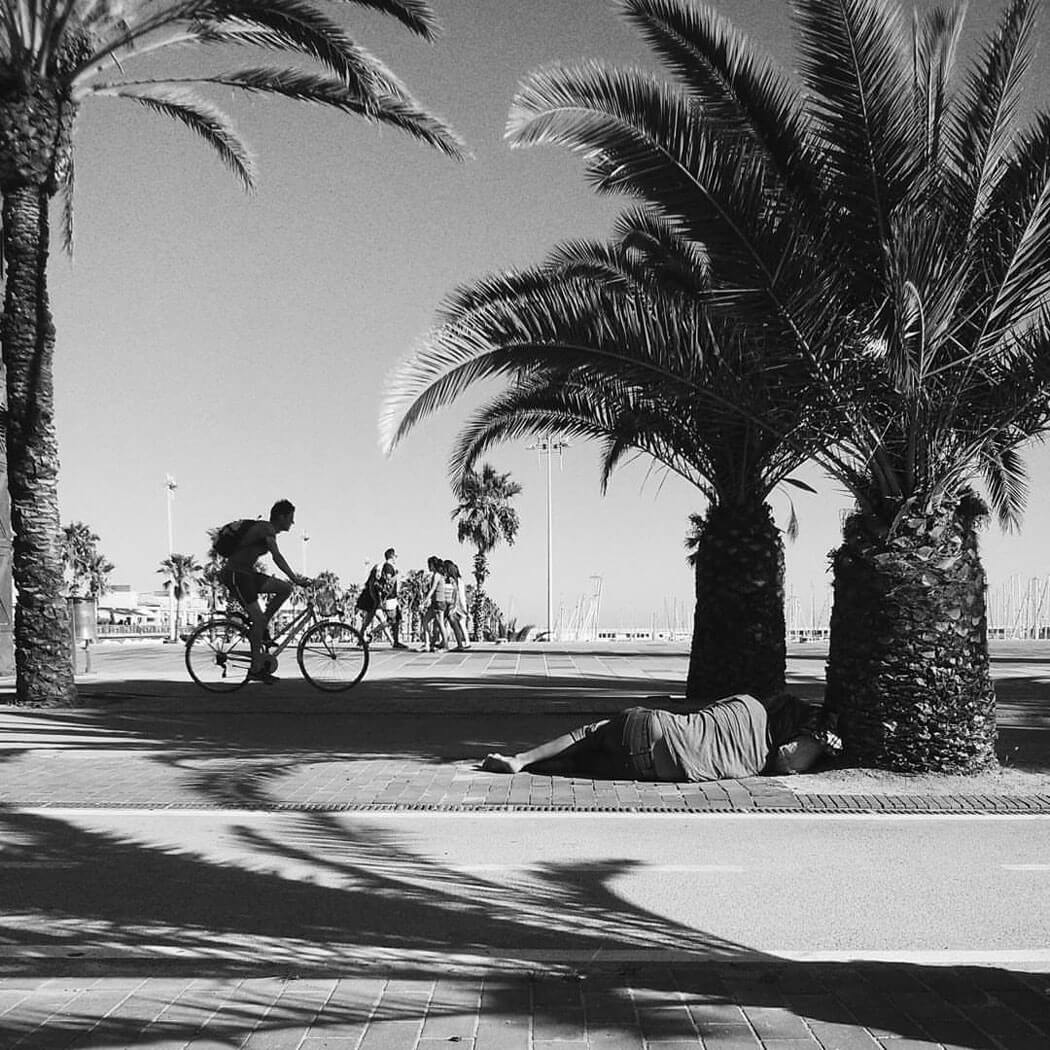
(332,655)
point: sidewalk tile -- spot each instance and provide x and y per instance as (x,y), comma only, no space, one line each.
(453,1011)
(834,1036)
(731,1037)
(775,1023)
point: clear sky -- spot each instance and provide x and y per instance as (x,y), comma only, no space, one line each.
(241,343)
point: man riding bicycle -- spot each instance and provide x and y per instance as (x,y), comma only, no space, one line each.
(246,583)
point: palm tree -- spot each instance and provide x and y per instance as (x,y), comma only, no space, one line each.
(884,225)
(327,592)
(210,579)
(411,592)
(98,570)
(615,342)
(78,546)
(55,55)
(883,221)
(483,517)
(182,571)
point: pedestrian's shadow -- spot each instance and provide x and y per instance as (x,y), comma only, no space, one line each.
(335,898)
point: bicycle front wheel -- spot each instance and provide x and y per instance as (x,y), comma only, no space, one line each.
(333,656)
(218,655)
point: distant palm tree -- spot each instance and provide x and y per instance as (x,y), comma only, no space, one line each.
(209,579)
(483,517)
(885,223)
(183,571)
(327,592)
(98,570)
(78,546)
(411,592)
(55,55)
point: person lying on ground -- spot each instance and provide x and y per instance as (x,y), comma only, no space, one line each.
(732,738)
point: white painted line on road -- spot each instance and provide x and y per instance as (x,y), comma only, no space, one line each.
(1025,867)
(689,869)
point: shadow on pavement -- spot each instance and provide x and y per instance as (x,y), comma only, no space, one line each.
(323,897)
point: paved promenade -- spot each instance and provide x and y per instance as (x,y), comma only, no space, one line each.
(409,737)
(146,742)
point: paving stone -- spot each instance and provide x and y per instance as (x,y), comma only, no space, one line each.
(731,1037)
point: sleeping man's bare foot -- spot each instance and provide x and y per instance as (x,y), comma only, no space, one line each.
(496,763)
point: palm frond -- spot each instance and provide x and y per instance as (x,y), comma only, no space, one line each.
(1021,297)
(203,118)
(397,111)
(1006,479)
(995,89)
(68,185)
(854,61)
(673,260)
(738,85)
(935,44)
(415,15)
(640,138)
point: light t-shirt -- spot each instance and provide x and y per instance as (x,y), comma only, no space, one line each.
(725,741)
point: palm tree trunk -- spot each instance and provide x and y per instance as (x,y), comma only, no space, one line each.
(481,572)
(43,653)
(908,661)
(738,628)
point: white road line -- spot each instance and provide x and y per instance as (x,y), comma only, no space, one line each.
(1025,867)
(647,869)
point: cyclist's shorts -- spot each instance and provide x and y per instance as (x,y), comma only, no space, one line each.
(244,584)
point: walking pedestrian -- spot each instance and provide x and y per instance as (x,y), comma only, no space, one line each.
(457,613)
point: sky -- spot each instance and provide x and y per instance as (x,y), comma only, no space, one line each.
(241,343)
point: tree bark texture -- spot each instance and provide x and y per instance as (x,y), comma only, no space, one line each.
(43,647)
(738,627)
(481,574)
(908,660)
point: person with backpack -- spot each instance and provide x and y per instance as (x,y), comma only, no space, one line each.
(242,543)
(378,598)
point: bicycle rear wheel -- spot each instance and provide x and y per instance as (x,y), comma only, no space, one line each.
(332,656)
(218,655)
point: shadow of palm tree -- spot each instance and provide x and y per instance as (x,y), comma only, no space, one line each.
(337,903)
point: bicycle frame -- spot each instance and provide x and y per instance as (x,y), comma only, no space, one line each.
(284,638)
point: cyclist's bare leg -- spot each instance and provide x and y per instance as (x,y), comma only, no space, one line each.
(256,634)
(279,591)
(384,624)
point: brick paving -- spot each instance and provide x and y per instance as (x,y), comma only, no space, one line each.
(146,739)
(744,1007)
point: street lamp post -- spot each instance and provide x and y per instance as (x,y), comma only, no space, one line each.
(171,486)
(547,447)
(306,540)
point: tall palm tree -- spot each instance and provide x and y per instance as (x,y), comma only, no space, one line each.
(182,571)
(882,218)
(55,55)
(614,342)
(484,517)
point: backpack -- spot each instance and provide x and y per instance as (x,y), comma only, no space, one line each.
(228,537)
